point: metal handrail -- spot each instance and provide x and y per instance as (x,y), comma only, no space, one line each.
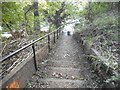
(30,44)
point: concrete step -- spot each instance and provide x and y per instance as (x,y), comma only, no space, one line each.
(63,72)
(61,83)
(62,63)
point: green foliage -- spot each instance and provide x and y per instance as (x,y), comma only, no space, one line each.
(16,13)
(99,24)
(116,37)
(113,79)
(12,14)
(99,15)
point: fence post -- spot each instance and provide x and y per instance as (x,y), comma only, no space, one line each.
(35,63)
(54,37)
(57,34)
(49,43)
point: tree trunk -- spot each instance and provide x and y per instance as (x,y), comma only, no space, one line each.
(36,17)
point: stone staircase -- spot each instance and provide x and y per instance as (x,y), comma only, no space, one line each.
(63,68)
(62,74)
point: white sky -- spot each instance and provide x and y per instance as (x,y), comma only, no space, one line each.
(0,28)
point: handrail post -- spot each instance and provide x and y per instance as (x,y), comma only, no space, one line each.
(57,34)
(54,37)
(35,63)
(49,43)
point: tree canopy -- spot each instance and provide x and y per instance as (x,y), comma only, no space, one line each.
(34,14)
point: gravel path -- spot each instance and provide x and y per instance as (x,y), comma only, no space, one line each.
(64,67)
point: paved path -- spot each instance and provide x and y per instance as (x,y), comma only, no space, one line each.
(64,67)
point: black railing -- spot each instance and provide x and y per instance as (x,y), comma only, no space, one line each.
(33,46)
